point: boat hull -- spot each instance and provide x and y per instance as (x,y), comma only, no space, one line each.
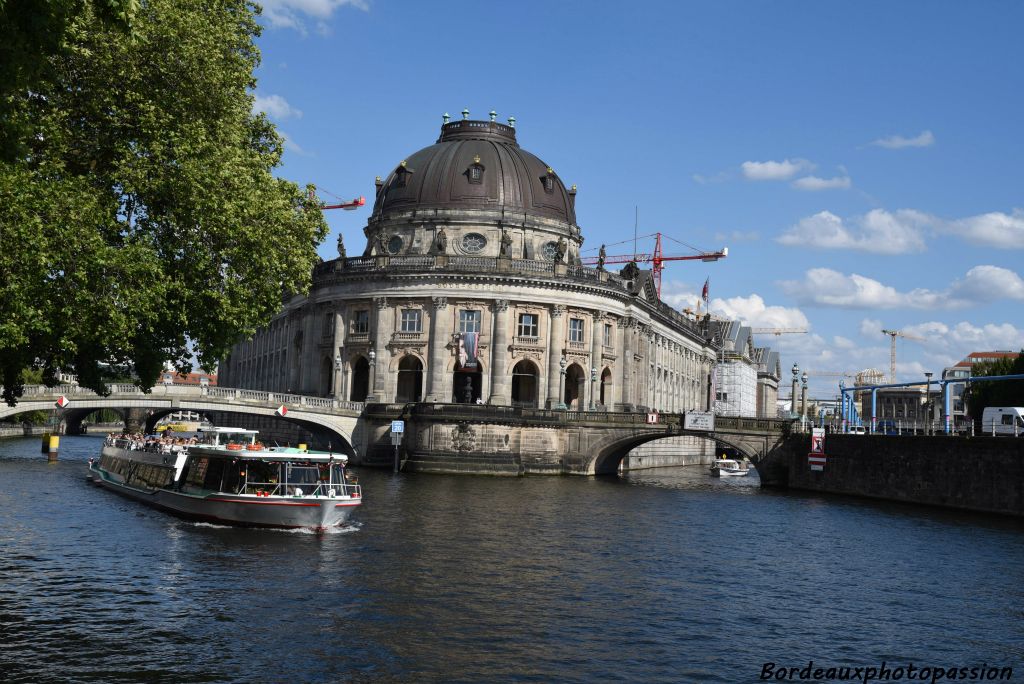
(238,509)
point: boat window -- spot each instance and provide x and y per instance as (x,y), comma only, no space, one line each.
(264,473)
(302,474)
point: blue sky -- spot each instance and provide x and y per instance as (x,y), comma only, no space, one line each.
(861,161)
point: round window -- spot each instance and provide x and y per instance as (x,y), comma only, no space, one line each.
(549,250)
(394,245)
(473,242)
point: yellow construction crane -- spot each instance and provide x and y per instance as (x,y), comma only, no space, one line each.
(893,334)
(779,331)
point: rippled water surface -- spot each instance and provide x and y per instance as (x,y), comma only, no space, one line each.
(670,576)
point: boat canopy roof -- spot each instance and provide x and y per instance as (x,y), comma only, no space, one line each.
(229,430)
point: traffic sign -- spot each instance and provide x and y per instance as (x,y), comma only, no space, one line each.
(62,401)
(398,426)
(282,410)
(396,438)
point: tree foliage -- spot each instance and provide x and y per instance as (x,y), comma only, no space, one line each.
(980,394)
(140,219)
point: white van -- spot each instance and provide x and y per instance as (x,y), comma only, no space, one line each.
(1003,420)
(858,430)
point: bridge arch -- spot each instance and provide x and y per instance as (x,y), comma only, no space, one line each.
(608,453)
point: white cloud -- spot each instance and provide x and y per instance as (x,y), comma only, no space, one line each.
(754,312)
(275,107)
(989,283)
(878,231)
(813,183)
(292,146)
(826,287)
(870,327)
(773,170)
(841,342)
(995,229)
(895,142)
(964,337)
(290,13)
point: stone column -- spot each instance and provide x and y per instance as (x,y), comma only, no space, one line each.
(440,335)
(501,387)
(339,352)
(556,342)
(595,357)
(382,334)
(627,360)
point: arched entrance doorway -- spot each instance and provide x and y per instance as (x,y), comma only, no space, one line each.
(524,384)
(575,382)
(467,383)
(360,380)
(410,379)
(606,386)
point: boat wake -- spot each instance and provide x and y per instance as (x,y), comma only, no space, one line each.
(346,528)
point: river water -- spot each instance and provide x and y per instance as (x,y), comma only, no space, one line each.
(666,576)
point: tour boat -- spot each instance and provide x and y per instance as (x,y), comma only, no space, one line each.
(728,467)
(228,477)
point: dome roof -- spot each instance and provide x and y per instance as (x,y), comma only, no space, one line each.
(475,165)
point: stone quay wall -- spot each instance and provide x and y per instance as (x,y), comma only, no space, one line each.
(972,473)
(669,452)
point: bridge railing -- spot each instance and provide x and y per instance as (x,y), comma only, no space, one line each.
(227,394)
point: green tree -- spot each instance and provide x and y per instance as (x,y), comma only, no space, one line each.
(142,222)
(980,394)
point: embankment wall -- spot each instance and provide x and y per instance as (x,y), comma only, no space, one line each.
(973,473)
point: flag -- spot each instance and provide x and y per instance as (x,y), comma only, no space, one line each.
(704,292)
(469,346)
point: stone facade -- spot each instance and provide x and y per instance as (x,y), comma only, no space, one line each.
(472,254)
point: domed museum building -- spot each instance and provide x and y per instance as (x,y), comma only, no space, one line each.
(471,290)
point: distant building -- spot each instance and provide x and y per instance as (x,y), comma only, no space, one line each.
(962,371)
(172,377)
(746,379)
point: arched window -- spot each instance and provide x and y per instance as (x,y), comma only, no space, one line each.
(524,384)
(410,379)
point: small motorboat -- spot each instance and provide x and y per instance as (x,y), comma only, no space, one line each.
(729,467)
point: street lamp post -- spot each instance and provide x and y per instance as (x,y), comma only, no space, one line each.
(561,384)
(373,376)
(593,379)
(792,401)
(337,376)
(803,400)
(928,402)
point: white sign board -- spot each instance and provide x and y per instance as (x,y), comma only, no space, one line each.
(699,420)
(396,438)
(398,426)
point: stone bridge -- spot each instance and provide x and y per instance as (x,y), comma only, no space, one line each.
(465,438)
(323,417)
(513,441)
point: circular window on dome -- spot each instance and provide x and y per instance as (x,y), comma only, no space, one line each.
(549,250)
(394,245)
(473,242)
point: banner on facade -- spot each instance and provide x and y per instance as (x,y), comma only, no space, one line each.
(468,349)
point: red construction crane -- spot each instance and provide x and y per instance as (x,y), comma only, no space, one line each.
(348,205)
(657,258)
